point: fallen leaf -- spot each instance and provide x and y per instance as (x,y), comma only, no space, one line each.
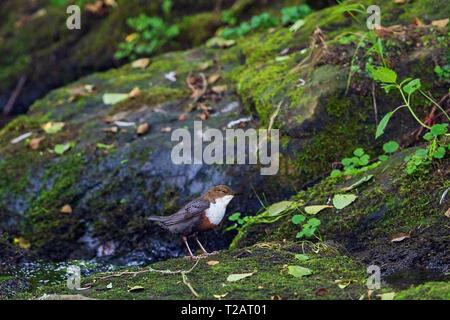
(238,276)
(113,129)
(220,296)
(105,146)
(386,296)
(66,209)
(205,65)
(109,285)
(276,297)
(171,76)
(142,128)
(213,78)
(447,213)
(340,201)
(135,92)
(220,89)
(440,23)
(22,242)
(212,262)
(342,284)
(281,58)
(62,148)
(113,98)
(166,129)
(35,142)
(298,271)
(182,117)
(21,137)
(297,25)
(400,237)
(53,127)
(140,63)
(217,42)
(136,288)
(316,209)
(320,292)
(124,123)
(301,257)
(399,1)
(95,7)
(130,38)
(358,183)
(203,116)
(418,22)
(279,207)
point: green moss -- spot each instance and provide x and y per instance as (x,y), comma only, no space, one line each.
(198,28)
(268,263)
(426,291)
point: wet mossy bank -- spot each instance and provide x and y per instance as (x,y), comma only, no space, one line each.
(112,181)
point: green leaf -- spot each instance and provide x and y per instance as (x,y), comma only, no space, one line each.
(421,153)
(297,25)
(428,136)
(346,162)
(382,74)
(298,218)
(298,271)
(301,257)
(53,127)
(235,216)
(383,157)
(439,129)
(364,160)
(412,86)
(62,148)
(390,147)
(105,146)
(238,276)
(113,98)
(439,153)
(316,209)
(341,201)
(383,123)
(359,152)
(279,207)
(314,222)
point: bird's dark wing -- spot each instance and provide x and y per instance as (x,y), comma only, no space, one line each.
(189,211)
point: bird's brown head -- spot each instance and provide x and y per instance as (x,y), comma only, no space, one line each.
(219,191)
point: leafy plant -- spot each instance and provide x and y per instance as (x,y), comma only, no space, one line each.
(353,165)
(262,21)
(292,14)
(443,72)
(151,33)
(229,18)
(308,228)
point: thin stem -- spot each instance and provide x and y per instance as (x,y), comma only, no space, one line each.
(410,109)
(435,103)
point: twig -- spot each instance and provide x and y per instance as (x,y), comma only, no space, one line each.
(188,284)
(375,109)
(14,95)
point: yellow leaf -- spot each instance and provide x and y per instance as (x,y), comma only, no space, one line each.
(22,242)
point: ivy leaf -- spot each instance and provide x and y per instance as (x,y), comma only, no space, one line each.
(340,201)
(316,209)
(383,123)
(412,86)
(298,271)
(382,74)
(298,218)
(390,147)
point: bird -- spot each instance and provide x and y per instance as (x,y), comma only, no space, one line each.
(201,214)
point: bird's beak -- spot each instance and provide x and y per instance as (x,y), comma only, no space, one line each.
(236,193)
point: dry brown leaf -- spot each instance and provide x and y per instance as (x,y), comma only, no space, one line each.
(399,1)
(182,117)
(213,78)
(95,7)
(212,262)
(276,297)
(142,128)
(35,142)
(220,296)
(113,129)
(447,213)
(418,22)
(220,89)
(440,23)
(203,116)
(135,288)
(400,237)
(66,209)
(140,63)
(135,92)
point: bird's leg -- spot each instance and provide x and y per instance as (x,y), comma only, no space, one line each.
(187,246)
(203,249)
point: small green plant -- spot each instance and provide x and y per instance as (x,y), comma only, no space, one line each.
(229,18)
(353,165)
(435,149)
(292,14)
(388,148)
(443,72)
(309,227)
(260,22)
(151,33)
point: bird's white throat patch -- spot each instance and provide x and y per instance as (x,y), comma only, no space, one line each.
(216,210)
